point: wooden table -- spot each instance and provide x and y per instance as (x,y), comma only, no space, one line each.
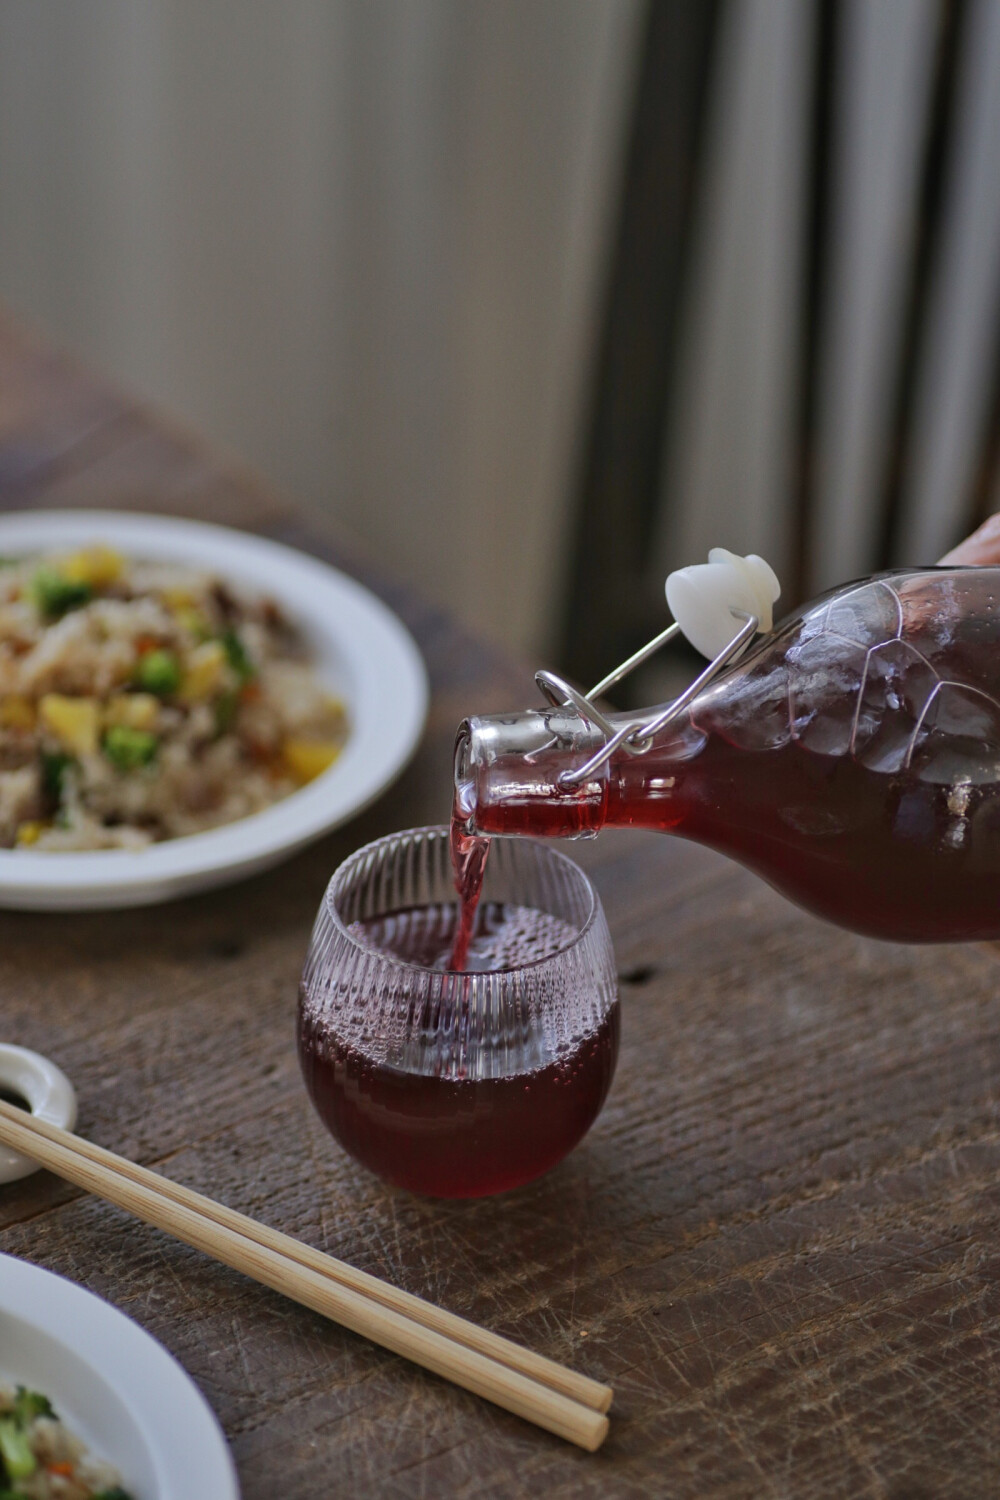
(779,1243)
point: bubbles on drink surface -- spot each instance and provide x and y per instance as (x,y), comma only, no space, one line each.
(504,937)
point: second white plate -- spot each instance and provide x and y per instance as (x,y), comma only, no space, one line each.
(118,1389)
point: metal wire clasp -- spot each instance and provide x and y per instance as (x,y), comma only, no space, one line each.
(636,736)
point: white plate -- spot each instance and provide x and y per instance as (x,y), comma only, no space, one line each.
(361,651)
(113,1385)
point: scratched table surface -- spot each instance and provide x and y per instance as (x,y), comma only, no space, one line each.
(779,1243)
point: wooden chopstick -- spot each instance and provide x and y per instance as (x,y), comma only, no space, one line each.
(534,1387)
(578,1387)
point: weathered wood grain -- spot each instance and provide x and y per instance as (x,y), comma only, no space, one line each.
(779,1243)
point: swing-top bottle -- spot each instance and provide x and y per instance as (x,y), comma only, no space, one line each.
(850,757)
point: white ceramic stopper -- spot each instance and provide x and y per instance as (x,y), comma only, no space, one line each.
(47,1092)
(701,597)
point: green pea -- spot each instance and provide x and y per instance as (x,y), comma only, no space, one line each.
(55,595)
(128,749)
(158,672)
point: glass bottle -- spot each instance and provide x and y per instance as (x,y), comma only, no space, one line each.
(851,758)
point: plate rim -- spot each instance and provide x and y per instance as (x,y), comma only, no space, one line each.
(66,1313)
(371,760)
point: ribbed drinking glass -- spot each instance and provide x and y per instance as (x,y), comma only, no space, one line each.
(458,1084)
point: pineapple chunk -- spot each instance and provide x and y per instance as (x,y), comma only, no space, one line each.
(194,622)
(74,721)
(203,673)
(133,710)
(97,566)
(178,599)
(17,712)
(307,759)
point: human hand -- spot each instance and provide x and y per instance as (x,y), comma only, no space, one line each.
(979,549)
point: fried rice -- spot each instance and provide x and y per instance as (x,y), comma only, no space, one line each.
(41,1459)
(142,701)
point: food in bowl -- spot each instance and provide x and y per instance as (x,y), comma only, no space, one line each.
(142,701)
(41,1459)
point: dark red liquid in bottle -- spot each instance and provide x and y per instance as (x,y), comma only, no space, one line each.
(852,761)
(443,1133)
(888,856)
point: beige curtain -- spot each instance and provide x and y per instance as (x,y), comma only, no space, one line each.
(733,465)
(360,240)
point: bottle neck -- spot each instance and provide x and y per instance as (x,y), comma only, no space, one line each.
(508,769)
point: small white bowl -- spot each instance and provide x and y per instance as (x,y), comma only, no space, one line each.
(47,1092)
(361,651)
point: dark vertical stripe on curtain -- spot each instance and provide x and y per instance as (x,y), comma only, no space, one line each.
(609,594)
(928,230)
(799,585)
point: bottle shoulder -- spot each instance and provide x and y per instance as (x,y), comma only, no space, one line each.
(885,670)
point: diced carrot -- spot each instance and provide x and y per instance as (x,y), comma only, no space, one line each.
(250,692)
(146,643)
(65,1469)
(259,753)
